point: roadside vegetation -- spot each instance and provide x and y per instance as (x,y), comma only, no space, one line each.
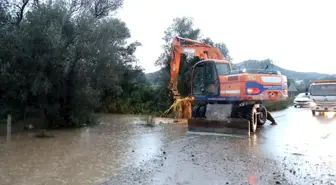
(278,105)
(68,59)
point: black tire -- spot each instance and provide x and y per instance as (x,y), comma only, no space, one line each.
(202,111)
(252,117)
(195,111)
(262,116)
(295,106)
(240,115)
(313,113)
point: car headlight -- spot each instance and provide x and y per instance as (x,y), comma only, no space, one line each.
(313,104)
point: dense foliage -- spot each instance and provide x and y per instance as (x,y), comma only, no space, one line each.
(66,59)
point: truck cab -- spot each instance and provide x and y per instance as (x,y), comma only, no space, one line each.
(323,96)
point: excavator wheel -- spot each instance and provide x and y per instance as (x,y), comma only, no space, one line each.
(202,111)
(240,114)
(248,112)
(195,111)
(252,116)
(199,111)
(262,116)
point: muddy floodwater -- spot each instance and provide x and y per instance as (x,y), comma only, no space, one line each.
(82,156)
(124,150)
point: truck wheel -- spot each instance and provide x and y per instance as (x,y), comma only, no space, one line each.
(252,117)
(313,113)
(262,116)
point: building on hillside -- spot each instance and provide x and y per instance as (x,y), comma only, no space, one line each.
(299,81)
(292,91)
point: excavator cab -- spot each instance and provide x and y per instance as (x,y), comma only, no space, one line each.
(205,77)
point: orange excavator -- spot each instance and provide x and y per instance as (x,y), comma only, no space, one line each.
(222,94)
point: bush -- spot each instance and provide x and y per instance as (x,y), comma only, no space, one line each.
(278,105)
(142,99)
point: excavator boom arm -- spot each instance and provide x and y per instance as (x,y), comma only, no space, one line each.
(187,46)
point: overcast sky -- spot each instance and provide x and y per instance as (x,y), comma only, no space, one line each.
(296,34)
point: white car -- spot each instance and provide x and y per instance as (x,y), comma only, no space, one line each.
(302,100)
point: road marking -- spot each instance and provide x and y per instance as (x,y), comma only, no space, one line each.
(326,136)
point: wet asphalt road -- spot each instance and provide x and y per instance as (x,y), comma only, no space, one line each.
(299,150)
(123,150)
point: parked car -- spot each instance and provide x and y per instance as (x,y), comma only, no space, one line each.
(302,100)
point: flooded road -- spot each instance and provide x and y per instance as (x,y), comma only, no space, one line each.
(122,150)
(82,156)
(300,150)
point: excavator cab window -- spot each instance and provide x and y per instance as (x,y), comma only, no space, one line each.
(198,80)
(222,68)
(211,79)
(205,79)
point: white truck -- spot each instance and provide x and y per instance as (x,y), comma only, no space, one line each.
(323,96)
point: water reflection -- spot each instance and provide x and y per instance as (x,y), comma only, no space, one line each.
(326,118)
(253,140)
(85,137)
(82,156)
(93,155)
(302,135)
(146,147)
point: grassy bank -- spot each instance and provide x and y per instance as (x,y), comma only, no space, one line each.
(278,105)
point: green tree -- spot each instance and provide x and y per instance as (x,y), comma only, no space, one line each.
(221,46)
(184,27)
(64,57)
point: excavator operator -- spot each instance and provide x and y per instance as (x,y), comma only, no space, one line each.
(210,82)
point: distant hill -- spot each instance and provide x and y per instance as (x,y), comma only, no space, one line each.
(291,74)
(301,79)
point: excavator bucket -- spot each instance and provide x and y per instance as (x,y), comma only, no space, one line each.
(217,122)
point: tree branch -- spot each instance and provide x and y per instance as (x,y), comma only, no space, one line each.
(102,8)
(21,11)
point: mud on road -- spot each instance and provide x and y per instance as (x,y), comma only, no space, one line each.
(297,151)
(124,150)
